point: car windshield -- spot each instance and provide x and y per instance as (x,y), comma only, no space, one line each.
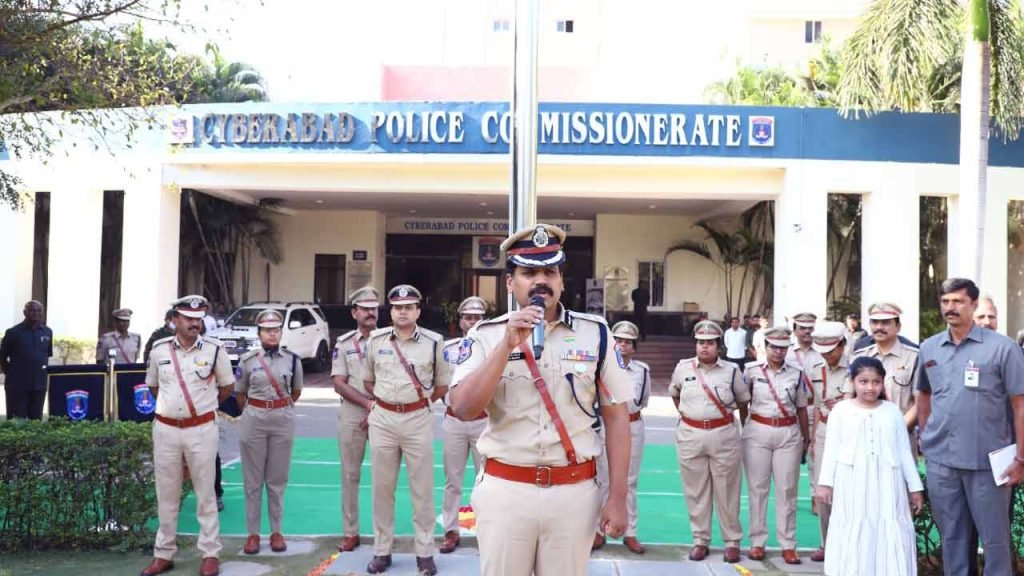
(245,317)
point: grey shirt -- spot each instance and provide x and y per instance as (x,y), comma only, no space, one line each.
(967,423)
(287,369)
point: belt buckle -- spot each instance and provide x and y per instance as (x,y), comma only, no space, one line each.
(542,476)
(400,408)
(706,424)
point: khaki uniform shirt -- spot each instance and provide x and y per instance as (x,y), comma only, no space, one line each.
(127,347)
(520,431)
(349,356)
(640,375)
(255,383)
(425,354)
(900,373)
(804,360)
(829,384)
(788,386)
(724,380)
(204,368)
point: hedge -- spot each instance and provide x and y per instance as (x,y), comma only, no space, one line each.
(75,485)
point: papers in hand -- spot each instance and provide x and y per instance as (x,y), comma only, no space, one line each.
(1001,460)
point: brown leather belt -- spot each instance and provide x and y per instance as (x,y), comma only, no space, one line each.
(403,408)
(542,476)
(270,404)
(634,417)
(710,424)
(481,416)
(186,422)
(774,422)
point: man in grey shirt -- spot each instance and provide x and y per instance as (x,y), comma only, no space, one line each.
(966,374)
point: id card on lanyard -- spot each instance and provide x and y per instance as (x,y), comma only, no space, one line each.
(972,375)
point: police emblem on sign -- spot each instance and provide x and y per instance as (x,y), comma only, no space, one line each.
(762,131)
(489,251)
(144,401)
(76,404)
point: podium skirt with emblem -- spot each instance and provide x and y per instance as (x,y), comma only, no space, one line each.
(265,440)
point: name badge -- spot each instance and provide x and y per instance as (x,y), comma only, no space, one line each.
(972,375)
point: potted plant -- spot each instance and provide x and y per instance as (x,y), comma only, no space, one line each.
(450,312)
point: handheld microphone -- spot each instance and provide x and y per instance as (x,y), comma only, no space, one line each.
(538,330)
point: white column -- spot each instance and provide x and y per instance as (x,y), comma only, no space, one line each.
(76,230)
(997,250)
(801,237)
(149,252)
(16,236)
(890,247)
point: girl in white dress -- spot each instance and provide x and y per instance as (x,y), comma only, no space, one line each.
(866,473)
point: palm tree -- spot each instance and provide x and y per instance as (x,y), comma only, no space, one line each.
(759,87)
(901,56)
(733,251)
(232,81)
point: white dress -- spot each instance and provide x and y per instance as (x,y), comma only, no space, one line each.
(868,463)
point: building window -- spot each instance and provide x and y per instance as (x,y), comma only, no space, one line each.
(812,32)
(501,25)
(651,274)
(565,26)
(329,279)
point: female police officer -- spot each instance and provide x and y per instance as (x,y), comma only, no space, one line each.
(270,384)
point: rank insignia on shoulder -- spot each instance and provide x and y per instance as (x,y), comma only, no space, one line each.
(465,350)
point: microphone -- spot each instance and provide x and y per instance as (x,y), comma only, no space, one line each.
(538,330)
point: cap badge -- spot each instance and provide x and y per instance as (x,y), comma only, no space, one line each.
(540,237)
(193,303)
(403,292)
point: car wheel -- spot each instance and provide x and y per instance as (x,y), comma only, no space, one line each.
(323,358)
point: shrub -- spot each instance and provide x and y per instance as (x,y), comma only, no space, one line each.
(75,484)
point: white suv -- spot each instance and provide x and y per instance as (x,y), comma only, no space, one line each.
(305,331)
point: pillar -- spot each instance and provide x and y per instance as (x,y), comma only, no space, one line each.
(76,229)
(801,240)
(891,247)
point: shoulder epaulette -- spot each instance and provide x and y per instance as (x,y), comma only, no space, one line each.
(431,335)
(452,342)
(213,341)
(162,340)
(247,355)
(641,364)
(380,331)
(591,317)
(492,321)
(754,364)
(346,336)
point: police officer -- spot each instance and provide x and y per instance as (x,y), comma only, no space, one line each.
(25,350)
(189,374)
(626,335)
(270,385)
(899,360)
(774,439)
(347,376)
(707,390)
(404,371)
(459,436)
(537,499)
(124,344)
(830,380)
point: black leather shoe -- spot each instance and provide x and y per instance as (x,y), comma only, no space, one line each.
(426,566)
(379,564)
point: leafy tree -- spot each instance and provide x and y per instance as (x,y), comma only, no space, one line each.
(759,87)
(87,64)
(229,81)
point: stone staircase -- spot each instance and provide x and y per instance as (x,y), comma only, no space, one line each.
(662,353)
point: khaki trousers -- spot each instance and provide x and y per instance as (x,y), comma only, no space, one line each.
(636,454)
(392,437)
(602,479)
(710,465)
(771,453)
(352,441)
(459,444)
(824,510)
(197,446)
(265,440)
(523,529)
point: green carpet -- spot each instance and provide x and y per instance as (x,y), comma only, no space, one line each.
(313,498)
